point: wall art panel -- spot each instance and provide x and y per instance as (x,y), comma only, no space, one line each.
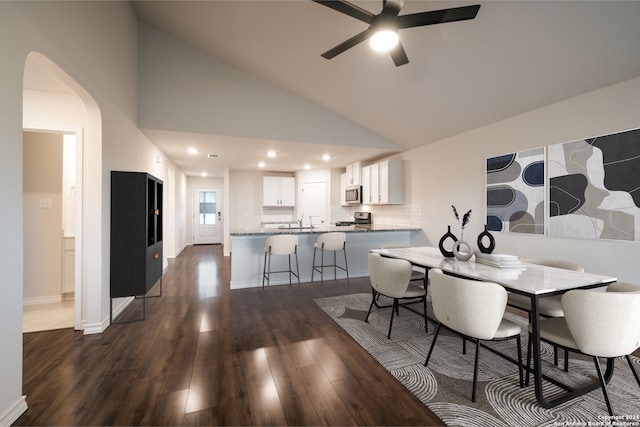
(516,191)
(594,187)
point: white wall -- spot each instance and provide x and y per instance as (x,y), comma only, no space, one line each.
(452,171)
(185,88)
(245,209)
(42,224)
(181,236)
(95,43)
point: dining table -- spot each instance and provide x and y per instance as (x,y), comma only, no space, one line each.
(531,280)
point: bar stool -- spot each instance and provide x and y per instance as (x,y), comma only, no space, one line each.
(334,241)
(280,244)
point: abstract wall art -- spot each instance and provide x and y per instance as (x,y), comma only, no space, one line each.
(516,192)
(594,187)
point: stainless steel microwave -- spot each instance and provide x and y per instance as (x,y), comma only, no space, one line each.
(353,194)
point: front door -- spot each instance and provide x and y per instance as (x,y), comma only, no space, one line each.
(207,218)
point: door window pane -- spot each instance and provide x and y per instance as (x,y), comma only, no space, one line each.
(208,208)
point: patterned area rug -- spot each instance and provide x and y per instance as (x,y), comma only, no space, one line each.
(445,386)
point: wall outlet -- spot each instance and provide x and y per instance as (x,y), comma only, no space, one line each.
(46,203)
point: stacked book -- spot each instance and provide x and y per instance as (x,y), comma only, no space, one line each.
(500,260)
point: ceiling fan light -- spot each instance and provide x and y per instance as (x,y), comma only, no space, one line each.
(384,40)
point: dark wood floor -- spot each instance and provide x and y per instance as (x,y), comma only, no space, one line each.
(206,355)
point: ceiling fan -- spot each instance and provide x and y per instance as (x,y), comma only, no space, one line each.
(388,22)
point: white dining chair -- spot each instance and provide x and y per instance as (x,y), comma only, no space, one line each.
(547,306)
(475,310)
(417,274)
(627,287)
(392,278)
(596,324)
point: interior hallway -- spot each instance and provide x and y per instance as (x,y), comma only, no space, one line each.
(206,355)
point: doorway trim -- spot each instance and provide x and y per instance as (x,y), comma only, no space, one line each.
(219,207)
(78,263)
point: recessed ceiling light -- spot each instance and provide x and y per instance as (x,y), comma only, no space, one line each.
(271,153)
(261,165)
(203,174)
(326,157)
(192,150)
(307,166)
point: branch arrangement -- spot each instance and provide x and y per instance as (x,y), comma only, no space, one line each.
(465,218)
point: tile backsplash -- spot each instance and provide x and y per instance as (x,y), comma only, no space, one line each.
(401,215)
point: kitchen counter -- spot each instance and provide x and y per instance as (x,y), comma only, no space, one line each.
(247,251)
(361,228)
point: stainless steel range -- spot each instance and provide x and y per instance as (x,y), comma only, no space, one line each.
(359,218)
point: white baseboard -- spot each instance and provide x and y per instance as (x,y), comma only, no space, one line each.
(13,413)
(93,328)
(51,299)
(122,306)
(98,328)
(181,249)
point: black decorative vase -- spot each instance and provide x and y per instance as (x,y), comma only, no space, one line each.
(448,235)
(492,242)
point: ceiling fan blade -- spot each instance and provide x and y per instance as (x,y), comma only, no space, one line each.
(437,16)
(348,44)
(391,7)
(398,55)
(348,9)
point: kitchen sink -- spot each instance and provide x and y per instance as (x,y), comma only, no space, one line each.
(295,227)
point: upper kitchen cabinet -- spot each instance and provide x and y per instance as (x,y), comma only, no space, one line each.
(366,185)
(353,174)
(383,183)
(343,186)
(279,191)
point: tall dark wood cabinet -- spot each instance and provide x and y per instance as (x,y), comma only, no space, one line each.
(136,235)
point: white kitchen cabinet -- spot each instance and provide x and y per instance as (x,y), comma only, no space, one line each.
(366,185)
(279,191)
(383,183)
(343,187)
(353,173)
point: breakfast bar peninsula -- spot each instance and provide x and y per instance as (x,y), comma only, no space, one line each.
(247,250)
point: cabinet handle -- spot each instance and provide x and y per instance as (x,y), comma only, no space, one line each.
(156,255)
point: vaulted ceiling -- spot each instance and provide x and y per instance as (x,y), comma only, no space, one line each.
(514,57)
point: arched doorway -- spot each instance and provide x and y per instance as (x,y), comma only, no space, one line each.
(54,102)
